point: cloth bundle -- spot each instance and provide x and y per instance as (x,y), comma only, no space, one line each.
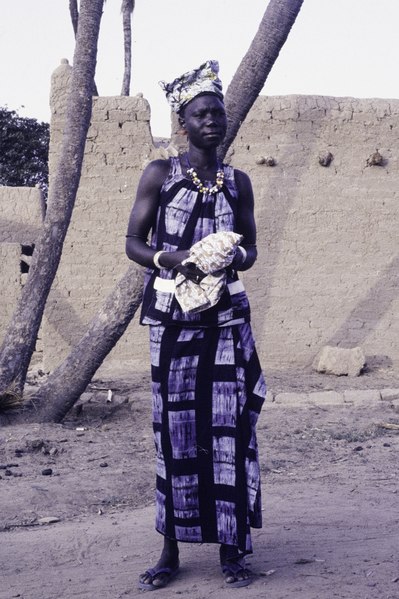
(212,255)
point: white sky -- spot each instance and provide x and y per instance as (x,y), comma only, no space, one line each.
(336,47)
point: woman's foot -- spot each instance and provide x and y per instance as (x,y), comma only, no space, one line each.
(233,567)
(164,571)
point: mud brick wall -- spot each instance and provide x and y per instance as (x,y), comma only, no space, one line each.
(20,225)
(119,144)
(327,214)
(328,235)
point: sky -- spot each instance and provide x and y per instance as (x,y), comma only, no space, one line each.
(335,48)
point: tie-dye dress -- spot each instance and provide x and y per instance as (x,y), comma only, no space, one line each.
(207,384)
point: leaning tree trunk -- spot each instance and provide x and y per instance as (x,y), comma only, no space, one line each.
(74,12)
(255,67)
(57,395)
(127,10)
(20,338)
(128,289)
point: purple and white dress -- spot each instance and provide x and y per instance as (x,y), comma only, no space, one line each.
(207,384)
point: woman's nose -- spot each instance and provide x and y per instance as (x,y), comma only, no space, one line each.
(210,119)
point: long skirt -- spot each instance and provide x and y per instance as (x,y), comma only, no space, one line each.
(208,390)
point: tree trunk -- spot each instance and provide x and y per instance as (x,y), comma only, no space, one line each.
(110,323)
(74,12)
(20,338)
(255,67)
(57,395)
(127,10)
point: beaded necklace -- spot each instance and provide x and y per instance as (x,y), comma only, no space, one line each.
(200,186)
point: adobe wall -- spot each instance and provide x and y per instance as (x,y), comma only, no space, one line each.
(20,225)
(328,235)
(327,271)
(119,143)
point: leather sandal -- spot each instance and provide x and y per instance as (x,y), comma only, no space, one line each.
(153,573)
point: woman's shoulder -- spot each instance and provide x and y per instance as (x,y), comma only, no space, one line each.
(237,179)
(242,180)
(157,171)
(161,166)
(240,175)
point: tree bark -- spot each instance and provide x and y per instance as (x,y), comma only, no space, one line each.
(20,338)
(74,12)
(111,322)
(65,385)
(127,10)
(256,65)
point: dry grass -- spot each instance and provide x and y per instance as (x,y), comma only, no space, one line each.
(10,400)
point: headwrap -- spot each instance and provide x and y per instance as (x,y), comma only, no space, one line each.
(212,255)
(203,80)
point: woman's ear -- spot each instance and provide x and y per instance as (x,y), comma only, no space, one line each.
(182,123)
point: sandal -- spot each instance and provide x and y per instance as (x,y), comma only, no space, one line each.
(234,568)
(153,573)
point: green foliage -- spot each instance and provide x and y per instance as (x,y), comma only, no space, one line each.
(24,145)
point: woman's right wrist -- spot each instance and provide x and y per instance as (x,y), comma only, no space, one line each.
(156,259)
(169,260)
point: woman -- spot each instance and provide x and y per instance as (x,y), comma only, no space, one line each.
(207,384)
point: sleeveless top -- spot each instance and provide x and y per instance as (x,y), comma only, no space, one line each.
(185,215)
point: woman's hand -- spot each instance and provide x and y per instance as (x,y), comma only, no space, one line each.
(191,272)
(174,260)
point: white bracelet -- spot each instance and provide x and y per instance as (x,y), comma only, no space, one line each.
(243,253)
(155,259)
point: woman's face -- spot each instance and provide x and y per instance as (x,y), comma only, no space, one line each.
(205,121)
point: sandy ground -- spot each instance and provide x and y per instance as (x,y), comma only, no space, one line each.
(330,488)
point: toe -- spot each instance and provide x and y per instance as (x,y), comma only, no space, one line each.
(159,580)
(145,578)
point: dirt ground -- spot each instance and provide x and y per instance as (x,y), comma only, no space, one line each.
(330,494)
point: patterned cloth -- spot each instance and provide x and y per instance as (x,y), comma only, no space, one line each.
(185,216)
(212,255)
(198,81)
(208,390)
(215,251)
(207,384)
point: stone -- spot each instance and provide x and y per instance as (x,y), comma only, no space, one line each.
(325,159)
(340,361)
(375,159)
(291,399)
(362,396)
(48,520)
(389,394)
(326,398)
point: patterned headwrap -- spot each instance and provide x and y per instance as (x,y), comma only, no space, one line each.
(203,80)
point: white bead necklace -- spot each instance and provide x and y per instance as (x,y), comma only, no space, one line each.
(217,186)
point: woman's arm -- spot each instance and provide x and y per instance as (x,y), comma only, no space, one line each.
(143,216)
(245,224)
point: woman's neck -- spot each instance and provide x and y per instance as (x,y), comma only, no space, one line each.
(202,159)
